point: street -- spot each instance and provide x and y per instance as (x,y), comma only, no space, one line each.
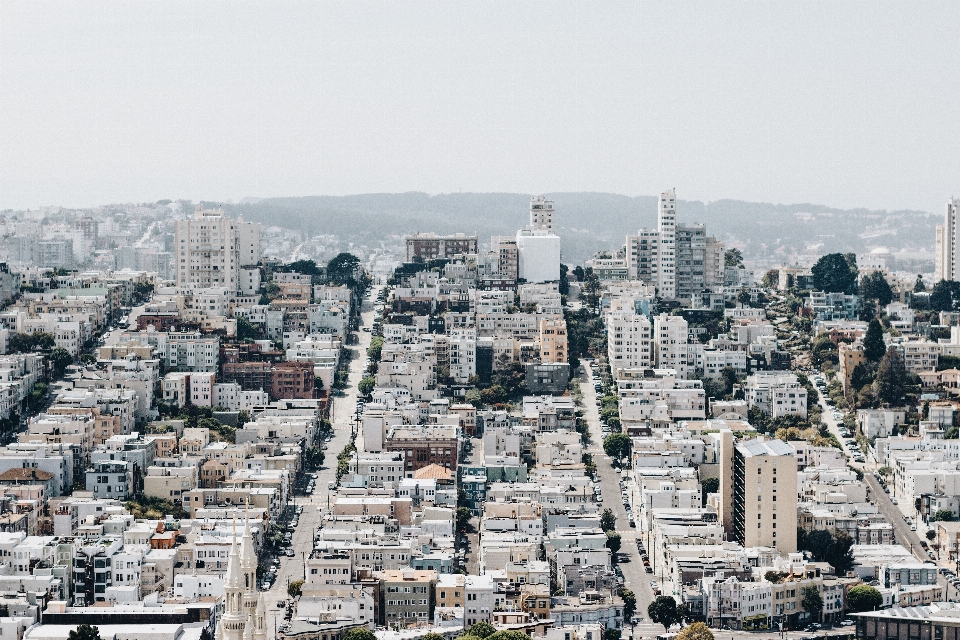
(634,576)
(315,505)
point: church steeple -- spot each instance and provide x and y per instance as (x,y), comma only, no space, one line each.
(234,616)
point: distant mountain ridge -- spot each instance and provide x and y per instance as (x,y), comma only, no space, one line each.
(589,222)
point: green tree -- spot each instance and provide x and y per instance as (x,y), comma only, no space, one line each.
(359,633)
(707,486)
(771,279)
(629,603)
(943,515)
(695,631)
(617,445)
(834,273)
(343,269)
(873,344)
(612,634)
(890,382)
(613,541)
(945,296)
(876,287)
(366,385)
(482,630)
(84,632)
(812,601)
(508,634)
(608,521)
(433,636)
(664,611)
(245,330)
(733,258)
(295,588)
(463,517)
(60,359)
(863,597)
(930,534)
(919,286)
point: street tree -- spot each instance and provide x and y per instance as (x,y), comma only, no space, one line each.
(617,445)
(812,601)
(482,630)
(608,521)
(664,611)
(613,541)
(295,588)
(863,597)
(629,603)
(695,631)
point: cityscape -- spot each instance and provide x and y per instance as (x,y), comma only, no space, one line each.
(365,339)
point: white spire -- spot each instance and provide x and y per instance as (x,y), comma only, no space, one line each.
(248,629)
(232,579)
(248,557)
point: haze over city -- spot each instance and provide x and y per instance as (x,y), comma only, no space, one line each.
(844,104)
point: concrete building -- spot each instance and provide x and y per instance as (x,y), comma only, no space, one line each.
(945,259)
(211,248)
(758,492)
(429,246)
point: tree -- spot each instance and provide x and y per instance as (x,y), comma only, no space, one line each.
(611,634)
(629,603)
(943,515)
(919,286)
(930,534)
(733,258)
(343,268)
(890,383)
(617,445)
(482,630)
(873,344)
(876,287)
(433,636)
(613,541)
(820,544)
(664,611)
(245,330)
(863,597)
(708,486)
(359,633)
(695,631)
(771,279)
(60,359)
(508,634)
(366,385)
(84,632)
(833,273)
(463,517)
(295,588)
(812,601)
(945,296)
(608,521)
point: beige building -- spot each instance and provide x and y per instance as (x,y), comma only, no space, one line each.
(758,490)
(553,340)
(407,597)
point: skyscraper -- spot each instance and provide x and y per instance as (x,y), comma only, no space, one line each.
(667,226)
(678,259)
(211,248)
(946,250)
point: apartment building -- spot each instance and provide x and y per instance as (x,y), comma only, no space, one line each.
(211,248)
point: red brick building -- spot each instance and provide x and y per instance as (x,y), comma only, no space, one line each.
(292,380)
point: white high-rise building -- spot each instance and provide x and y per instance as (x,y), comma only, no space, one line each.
(538,247)
(946,251)
(541,213)
(667,226)
(211,248)
(629,341)
(670,334)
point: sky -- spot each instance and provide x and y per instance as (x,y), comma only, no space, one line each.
(843,103)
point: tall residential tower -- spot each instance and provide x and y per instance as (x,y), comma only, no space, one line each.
(946,251)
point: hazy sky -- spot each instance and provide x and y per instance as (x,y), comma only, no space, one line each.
(840,103)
